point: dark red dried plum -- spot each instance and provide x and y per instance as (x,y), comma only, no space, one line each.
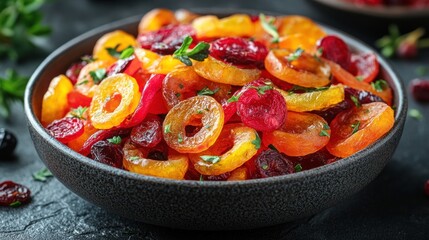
(317,159)
(7,142)
(148,133)
(107,153)
(66,129)
(272,163)
(240,52)
(167,39)
(13,194)
(420,89)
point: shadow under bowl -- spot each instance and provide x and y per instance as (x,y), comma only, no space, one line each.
(203,205)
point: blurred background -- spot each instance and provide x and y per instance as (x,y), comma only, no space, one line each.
(394,206)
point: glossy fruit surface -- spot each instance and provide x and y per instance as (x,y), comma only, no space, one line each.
(13,194)
(107,153)
(55,104)
(336,50)
(271,163)
(66,129)
(8,142)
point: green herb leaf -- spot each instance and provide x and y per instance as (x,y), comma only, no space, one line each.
(206,91)
(234,98)
(134,158)
(257,141)
(297,88)
(83,82)
(114,51)
(88,59)
(380,85)
(12,88)
(78,112)
(179,138)
(261,89)
(15,204)
(318,54)
(298,168)
(210,159)
(127,52)
(295,55)
(201,178)
(264,166)
(268,26)
(416,114)
(359,78)
(198,53)
(422,70)
(115,140)
(355,101)
(42,175)
(98,75)
(324,133)
(271,146)
(355,127)
(167,128)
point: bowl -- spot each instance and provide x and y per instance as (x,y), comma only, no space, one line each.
(203,205)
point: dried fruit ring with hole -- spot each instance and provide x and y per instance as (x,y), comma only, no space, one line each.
(183,83)
(202,114)
(301,134)
(235,146)
(358,127)
(218,71)
(298,68)
(117,97)
(136,160)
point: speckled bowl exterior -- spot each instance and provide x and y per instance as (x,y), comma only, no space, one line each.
(203,205)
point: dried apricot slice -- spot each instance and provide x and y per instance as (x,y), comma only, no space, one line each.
(86,84)
(356,128)
(202,113)
(301,134)
(295,24)
(136,160)
(314,100)
(218,71)
(183,83)
(117,39)
(55,103)
(117,97)
(155,19)
(237,25)
(236,145)
(88,130)
(297,68)
(239,174)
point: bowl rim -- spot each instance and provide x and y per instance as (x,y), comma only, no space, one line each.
(33,121)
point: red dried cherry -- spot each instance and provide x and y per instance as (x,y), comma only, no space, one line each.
(74,70)
(336,50)
(364,66)
(107,153)
(7,142)
(420,89)
(66,129)
(263,110)
(13,194)
(240,52)
(272,163)
(167,39)
(317,159)
(148,133)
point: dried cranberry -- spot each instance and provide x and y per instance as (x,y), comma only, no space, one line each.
(336,50)
(426,187)
(101,135)
(263,110)
(420,89)
(148,133)
(407,49)
(272,163)
(13,194)
(317,159)
(167,39)
(74,70)
(240,52)
(362,96)
(7,142)
(66,129)
(107,153)
(364,66)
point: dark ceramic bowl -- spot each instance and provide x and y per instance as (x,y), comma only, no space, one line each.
(203,205)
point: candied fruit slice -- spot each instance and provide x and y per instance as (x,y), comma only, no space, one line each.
(218,71)
(156,19)
(301,134)
(66,129)
(55,104)
(237,25)
(298,68)
(299,24)
(116,98)
(240,52)
(86,84)
(116,39)
(235,145)
(358,127)
(201,112)
(136,160)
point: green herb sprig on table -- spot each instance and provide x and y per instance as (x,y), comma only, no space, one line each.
(20,23)
(12,88)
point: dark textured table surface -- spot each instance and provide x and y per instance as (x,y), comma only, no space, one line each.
(392,207)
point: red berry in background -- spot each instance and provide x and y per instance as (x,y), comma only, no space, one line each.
(263,110)
(107,153)
(407,49)
(240,52)
(426,187)
(148,133)
(364,66)
(167,39)
(74,70)
(66,129)
(7,142)
(420,89)
(13,194)
(336,50)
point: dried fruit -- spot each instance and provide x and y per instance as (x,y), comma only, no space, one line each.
(364,66)
(271,163)
(107,153)
(55,104)
(336,50)
(156,19)
(420,89)
(66,129)
(148,133)
(7,142)
(13,194)
(117,40)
